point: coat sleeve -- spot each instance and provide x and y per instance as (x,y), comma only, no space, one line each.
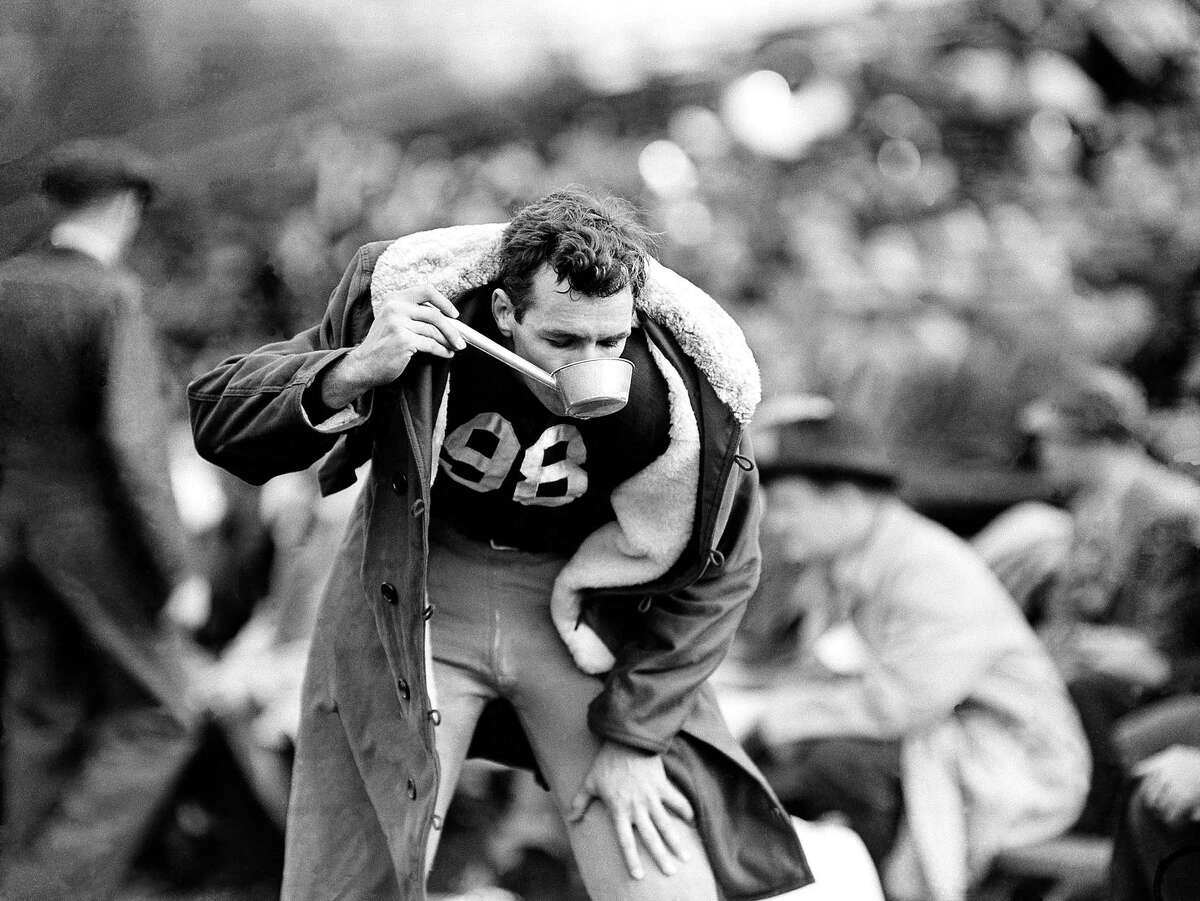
(652,688)
(248,414)
(135,424)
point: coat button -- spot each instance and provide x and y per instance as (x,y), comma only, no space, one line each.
(437,823)
(388,590)
(402,687)
(435,717)
(400,484)
(418,507)
(427,613)
(412,790)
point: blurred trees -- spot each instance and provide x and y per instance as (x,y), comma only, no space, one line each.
(70,68)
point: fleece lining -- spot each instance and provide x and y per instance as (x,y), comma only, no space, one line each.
(655,508)
(457,259)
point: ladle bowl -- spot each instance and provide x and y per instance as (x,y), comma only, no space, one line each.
(586,388)
(597,387)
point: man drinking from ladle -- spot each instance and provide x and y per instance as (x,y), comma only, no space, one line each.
(485,500)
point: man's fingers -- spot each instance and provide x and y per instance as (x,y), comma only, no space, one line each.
(652,838)
(668,828)
(1148,766)
(425,295)
(676,802)
(628,843)
(436,298)
(1157,794)
(430,346)
(431,331)
(579,806)
(450,330)
(451,336)
(1171,812)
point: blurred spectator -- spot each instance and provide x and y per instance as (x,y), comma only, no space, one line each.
(1025,547)
(884,675)
(97,720)
(1120,616)
(253,687)
(1157,850)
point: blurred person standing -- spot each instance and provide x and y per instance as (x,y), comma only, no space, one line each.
(485,501)
(883,675)
(97,722)
(1121,614)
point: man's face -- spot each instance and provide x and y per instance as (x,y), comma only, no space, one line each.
(806,521)
(561,327)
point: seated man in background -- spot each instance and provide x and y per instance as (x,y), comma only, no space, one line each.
(1121,614)
(883,673)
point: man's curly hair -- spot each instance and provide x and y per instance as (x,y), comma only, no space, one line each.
(595,245)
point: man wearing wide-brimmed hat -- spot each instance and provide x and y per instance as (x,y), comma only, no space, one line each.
(97,726)
(883,674)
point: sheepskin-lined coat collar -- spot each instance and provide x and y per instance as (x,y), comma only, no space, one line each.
(655,509)
(457,259)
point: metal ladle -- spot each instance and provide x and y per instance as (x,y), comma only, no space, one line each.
(586,388)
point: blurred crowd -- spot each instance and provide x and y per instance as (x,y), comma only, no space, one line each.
(972,197)
(963,247)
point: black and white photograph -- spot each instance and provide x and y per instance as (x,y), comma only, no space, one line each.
(660,450)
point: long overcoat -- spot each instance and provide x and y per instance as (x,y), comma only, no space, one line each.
(366,772)
(94,698)
(87,518)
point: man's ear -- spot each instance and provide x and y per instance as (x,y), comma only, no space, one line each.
(503,312)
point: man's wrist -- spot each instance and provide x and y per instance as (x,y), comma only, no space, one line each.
(340,385)
(613,746)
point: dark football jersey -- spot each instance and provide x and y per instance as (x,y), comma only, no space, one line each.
(515,473)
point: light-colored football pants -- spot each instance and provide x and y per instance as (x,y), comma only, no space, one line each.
(492,637)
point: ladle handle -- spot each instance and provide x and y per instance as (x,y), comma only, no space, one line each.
(504,355)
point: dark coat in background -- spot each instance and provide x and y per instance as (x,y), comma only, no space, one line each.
(90,544)
(366,776)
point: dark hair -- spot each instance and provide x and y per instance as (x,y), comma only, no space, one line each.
(596,245)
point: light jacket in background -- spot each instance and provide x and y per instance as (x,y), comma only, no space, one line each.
(920,643)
